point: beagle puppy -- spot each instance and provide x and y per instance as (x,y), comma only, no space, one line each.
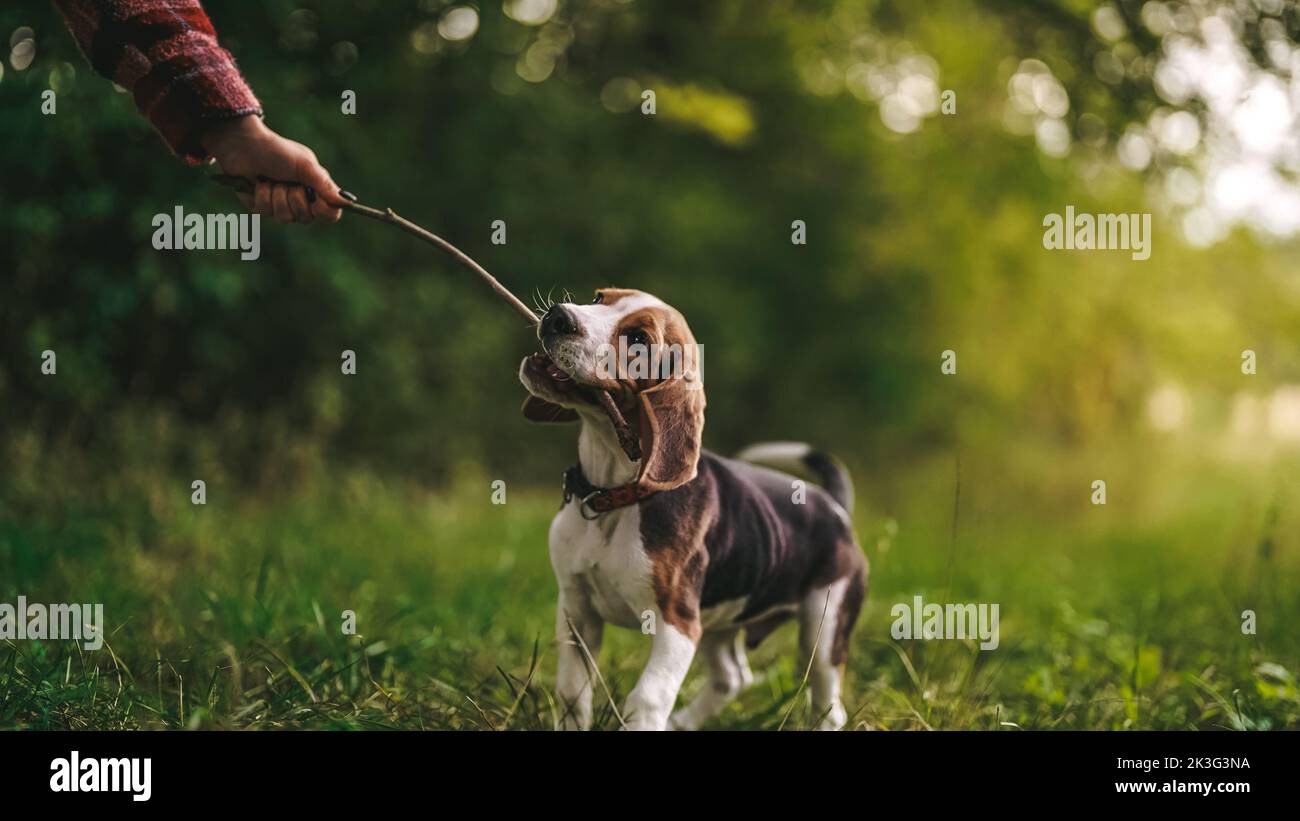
(707,554)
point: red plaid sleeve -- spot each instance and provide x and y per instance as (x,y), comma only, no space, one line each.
(165,53)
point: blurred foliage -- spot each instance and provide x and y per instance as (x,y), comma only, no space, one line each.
(917,242)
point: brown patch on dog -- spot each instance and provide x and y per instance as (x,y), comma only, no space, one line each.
(608,296)
(854,595)
(677,577)
(673,529)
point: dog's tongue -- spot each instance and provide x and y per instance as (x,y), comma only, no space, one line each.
(541,360)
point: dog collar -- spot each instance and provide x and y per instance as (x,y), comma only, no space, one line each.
(600,499)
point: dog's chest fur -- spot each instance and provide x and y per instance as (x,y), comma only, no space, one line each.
(606,560)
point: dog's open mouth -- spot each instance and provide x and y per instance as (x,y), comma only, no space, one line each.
(544,369)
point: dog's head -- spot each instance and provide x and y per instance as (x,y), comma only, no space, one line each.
(639,350)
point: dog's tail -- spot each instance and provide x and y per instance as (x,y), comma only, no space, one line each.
(802,459)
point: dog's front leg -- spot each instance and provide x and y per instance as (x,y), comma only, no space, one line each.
(651,701)
(576,620)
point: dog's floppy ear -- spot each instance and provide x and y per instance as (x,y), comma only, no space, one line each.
(539,410)
(672,427)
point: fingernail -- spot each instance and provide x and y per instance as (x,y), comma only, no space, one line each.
(347,195)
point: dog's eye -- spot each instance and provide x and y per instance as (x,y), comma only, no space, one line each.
(597,300)
(636,336)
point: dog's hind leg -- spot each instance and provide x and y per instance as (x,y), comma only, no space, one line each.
(729,674)
(826,617)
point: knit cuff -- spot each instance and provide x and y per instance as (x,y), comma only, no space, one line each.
(185,95)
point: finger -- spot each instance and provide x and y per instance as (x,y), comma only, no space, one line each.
(262,199)
(322,210)
(311,172)
(299,205)
(280,203)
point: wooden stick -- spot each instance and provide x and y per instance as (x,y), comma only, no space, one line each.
(390,216)
(626,438)
(628,441)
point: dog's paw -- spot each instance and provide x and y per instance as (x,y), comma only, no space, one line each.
(683,720)
(835,718)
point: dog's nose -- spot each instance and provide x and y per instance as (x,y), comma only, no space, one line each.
(558,321)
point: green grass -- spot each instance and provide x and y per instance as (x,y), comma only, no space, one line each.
(229,615)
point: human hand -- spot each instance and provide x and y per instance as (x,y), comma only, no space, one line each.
(282,171)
